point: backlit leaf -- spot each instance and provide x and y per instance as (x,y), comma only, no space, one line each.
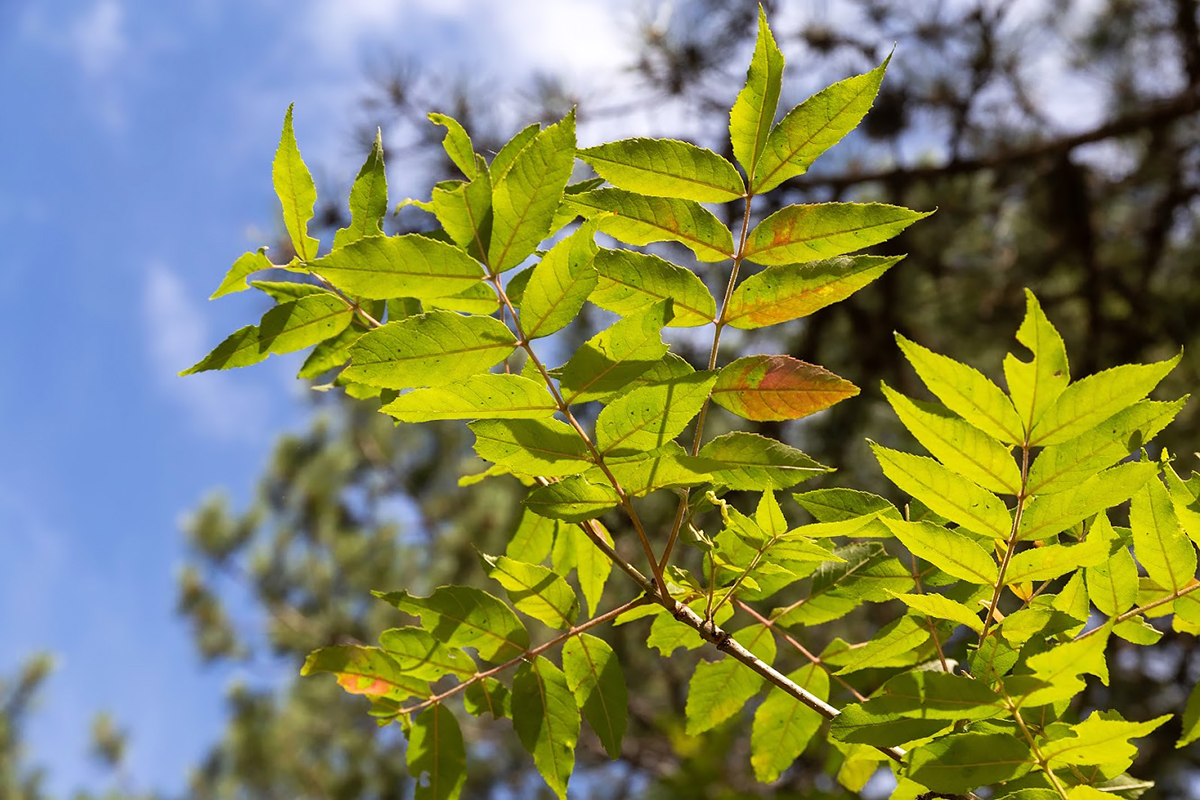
(1065,465)
(946,492)
(837,505)
(1163,550)
(966,392)
(331,353)
(457,144)
(630,281)
(367,671)
(368,199)
(533,447)
(824,230)
(535,590)
(594,675)
(433,349)
(525,197)
(504,159)
(962,448)
(1191,719)
(965,761)
(752,462)
(296,191)
(437,758)
(950,551)
(783,726)
(665,467)
(1089,402)
(1048,514)
(754,110)
(247,264)
(573,550)
(617,355)
(546,719)
(410,265)
(893,643)
(650,417)
(941,607)
(763,388)
(559,284)
(1044,563)
(533,538)
(666,168)
(792,291)
(239,349)
(812,127)
(1036,384)
(488,696)
(464,210)
(304,322)
(422,656)
(1113,583)
(483,396)
(1098,740)
(572,500)
(719,689)
(637,219)
(913,705)
(462,616)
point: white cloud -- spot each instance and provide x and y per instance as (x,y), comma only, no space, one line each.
(98,37)
(220,404)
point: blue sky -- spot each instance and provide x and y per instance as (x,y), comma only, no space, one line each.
(135,147)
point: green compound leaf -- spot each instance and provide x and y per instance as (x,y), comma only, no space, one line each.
(287,291)
(533,538)
(1036,384)
(331,353)
(1184,498)
(667,467)
(367,671)
(637,219)
(509,152)
(457,144)
(1063,466)
(483,396)
(595,677)
(239,349)
(526,195)
(1112,584)
(488,696)
(559,284)
(941,607)
(574,551)
(666,168)
(1044,563)
(368,199)
(1099,740)
(1166,554)
(966,392)
(437,758)
(462,616)
(965,761)
(946,492)
(572,500)
(962,448)
(304,322)
(480,298)
(1056,671)
(650,417)
(410,265)
(913,705)
(952,552)
(296,191)
(629,281)
(895,644)
(783,726)
(247,264)
(719,689)
(752,462)
(792,291)
(617,355)
(1191,719)
(532,447)
(546,719)
(1048,514)
(838,505)
(1089,402)
(867,574)
(754,110)
(824,230)
(464,210)
(433,349)
(422,656)
(535,590)
(812,127)
(764,388)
